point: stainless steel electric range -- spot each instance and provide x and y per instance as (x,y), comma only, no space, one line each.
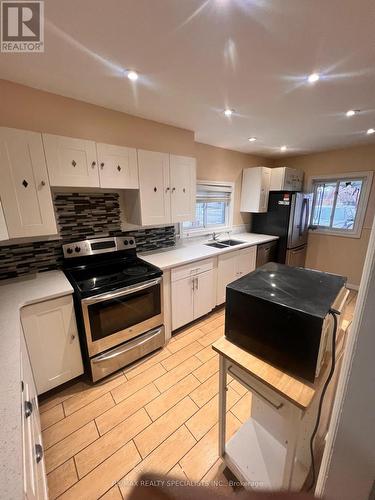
(118,302)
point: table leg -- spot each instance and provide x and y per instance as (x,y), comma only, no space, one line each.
(222,403)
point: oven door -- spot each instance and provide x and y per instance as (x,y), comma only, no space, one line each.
(115,317)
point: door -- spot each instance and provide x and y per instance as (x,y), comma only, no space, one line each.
(118,167)
(183,188)
(299,219)
(71,162)
(182,302)
(3,227)
(246,261)
(226,273)
(24,188)
(154,188)
(296,257)
(52,341)
(204,296)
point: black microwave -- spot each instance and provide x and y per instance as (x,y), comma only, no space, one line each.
(277,313)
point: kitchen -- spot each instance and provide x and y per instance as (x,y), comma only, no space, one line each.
(121,234)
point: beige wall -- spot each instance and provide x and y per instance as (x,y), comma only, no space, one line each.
(31,109)
(338,254)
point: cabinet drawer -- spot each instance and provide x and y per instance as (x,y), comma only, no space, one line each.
(201,266)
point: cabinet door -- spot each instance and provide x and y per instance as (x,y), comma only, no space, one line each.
(264,189)
(71,162)
(183,188)
(226,273)
(118,167)
(182,302)
(3,227)
(204,294)
(154,187)
(52,341)
(246,261)
(24,188)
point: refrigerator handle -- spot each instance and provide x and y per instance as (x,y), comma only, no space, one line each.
(307,218)
(301,229)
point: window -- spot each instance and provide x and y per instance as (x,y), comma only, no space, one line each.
(213,209)
(340,203)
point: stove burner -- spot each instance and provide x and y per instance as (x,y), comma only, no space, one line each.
(135,270)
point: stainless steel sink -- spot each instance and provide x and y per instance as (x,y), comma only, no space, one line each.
(216,245)
(232,243)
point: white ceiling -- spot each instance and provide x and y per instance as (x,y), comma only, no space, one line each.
(196,57)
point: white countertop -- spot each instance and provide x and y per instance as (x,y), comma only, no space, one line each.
(191,252)
(14,294)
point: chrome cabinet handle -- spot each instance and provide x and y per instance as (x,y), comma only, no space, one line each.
(197,282)
(193,282)
(28,408)
(74,163)
(38,453)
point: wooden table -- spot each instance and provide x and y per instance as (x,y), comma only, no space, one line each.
(271,449)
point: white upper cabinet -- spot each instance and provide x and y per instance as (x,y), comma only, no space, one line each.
(71,162)
(154,187)
(286,179)
(118,167)
(255,189)
(183,187)
(3,226)
(24,188)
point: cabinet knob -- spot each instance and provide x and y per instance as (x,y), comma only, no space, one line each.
(93,164)
(43,183)
(28,408)
(74,163)
(119,168)
(38,453)
(102,165)
(72,336)
(184,190)
(167,189)
(155,189)
(25,183)
(173,189)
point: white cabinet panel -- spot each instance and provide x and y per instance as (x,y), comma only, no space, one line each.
(3,227)
(182,302)
(204,294)
(24,188)
(255,189)
(183,188)
(52,340)
(154,187)
(71,162)
(118,167)
(231,266)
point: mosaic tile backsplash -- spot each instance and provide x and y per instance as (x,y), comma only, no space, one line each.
(79,216)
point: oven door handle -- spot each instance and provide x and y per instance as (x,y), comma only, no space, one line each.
(121,350)
(123,291)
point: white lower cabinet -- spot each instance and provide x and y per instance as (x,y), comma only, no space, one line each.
(52,340)
(231,266)
(34,474)
(192,292)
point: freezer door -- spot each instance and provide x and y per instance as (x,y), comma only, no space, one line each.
(296,257)
(299,219)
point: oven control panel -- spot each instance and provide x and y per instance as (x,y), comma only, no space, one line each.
(98,245)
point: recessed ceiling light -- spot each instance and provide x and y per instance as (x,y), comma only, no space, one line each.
(283,148)
(228,112)
(352,112)
(370,131)
(314,77)
(252,139)
(132,75)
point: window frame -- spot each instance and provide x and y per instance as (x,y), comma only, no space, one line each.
(366,177)
(188,233)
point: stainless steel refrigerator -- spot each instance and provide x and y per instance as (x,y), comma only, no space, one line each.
(288,217)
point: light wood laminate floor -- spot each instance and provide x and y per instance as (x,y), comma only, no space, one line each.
(160,415)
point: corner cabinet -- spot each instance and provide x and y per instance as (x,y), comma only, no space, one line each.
(255,189)
(167,188)
(24,188)
(231,266)
(71,162)
(118,166)
(52,340)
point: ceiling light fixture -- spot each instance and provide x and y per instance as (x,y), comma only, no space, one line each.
(132,75)
(228,112)
(370,131)
(314,77)
(283,148)
(252,139)
(352,112)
